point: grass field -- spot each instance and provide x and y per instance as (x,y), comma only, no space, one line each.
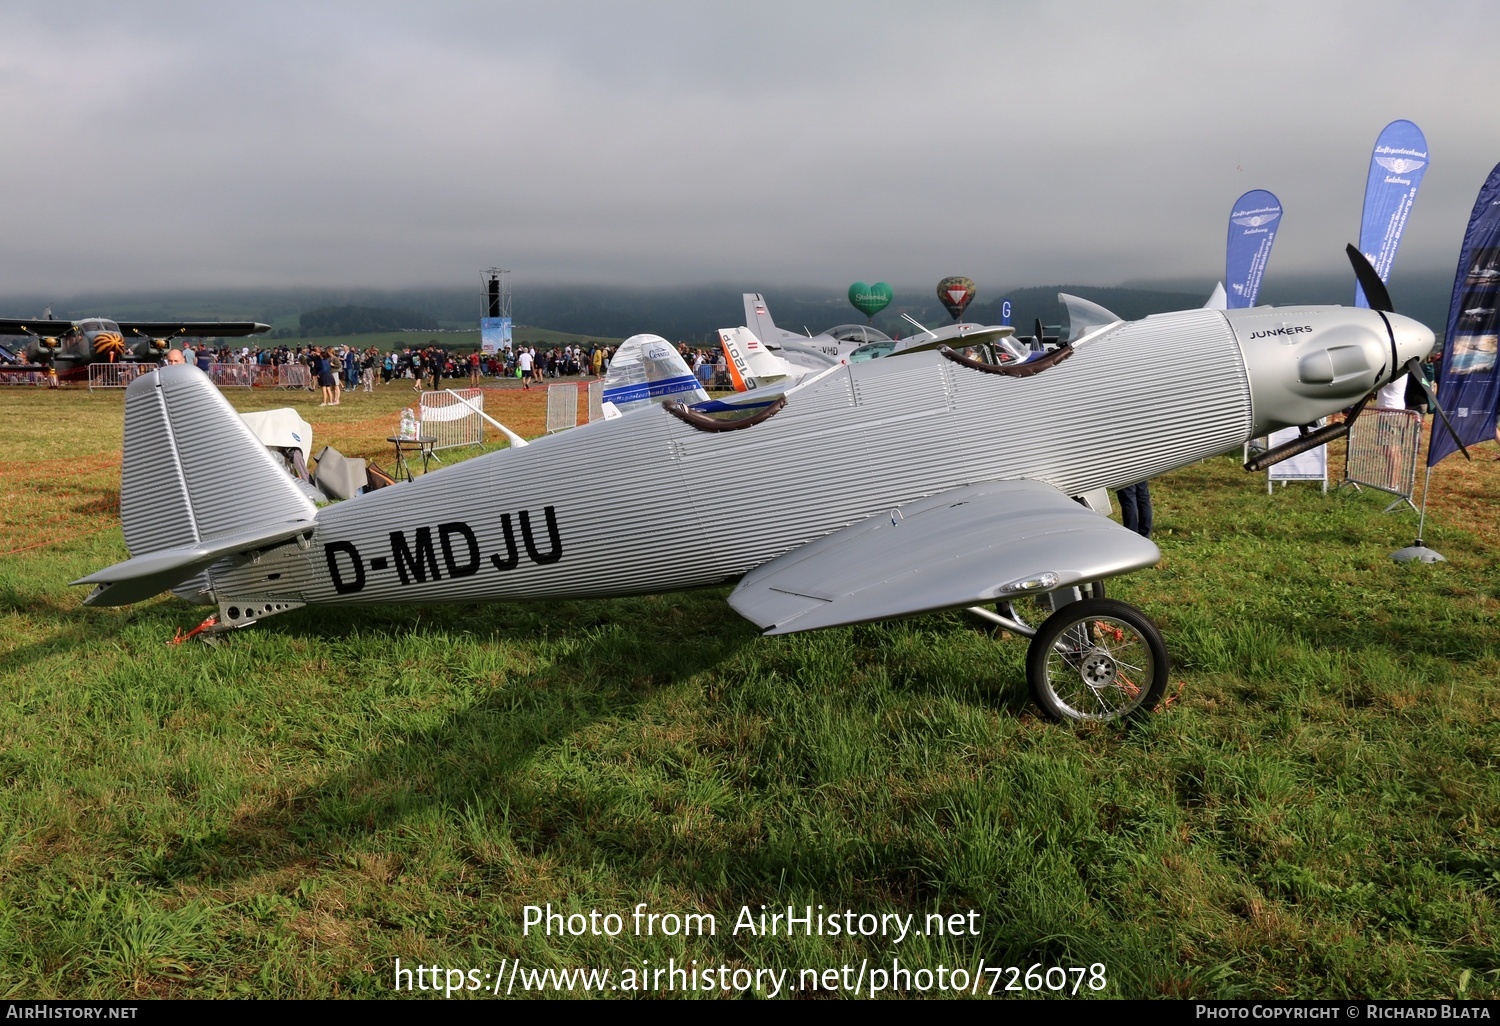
(1316,813)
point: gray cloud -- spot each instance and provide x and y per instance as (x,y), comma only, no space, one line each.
(183,145)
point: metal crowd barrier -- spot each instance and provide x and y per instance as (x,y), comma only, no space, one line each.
(451,422)
(115,375)
(232,375)
(562,407)
(596,400)
(293,375)
(1382,453)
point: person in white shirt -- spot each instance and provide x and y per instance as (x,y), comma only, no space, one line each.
(523,364)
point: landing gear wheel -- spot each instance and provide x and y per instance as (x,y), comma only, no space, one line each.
(1098,660)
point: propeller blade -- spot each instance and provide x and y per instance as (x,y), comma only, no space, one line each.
(1040,340)
(1375,291)
(1413,367)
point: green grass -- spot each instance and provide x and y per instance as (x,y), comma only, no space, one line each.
(286,814)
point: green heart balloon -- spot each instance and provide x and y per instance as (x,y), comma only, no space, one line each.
(870,299)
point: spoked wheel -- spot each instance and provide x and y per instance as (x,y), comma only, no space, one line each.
(1099,660)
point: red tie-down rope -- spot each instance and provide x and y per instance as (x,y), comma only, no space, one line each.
(180,637)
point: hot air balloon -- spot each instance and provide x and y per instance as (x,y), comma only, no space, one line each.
(870,299)
(956,294)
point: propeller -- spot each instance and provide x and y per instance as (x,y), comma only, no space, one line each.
(1369,281)
(1041,342)
(1414,368)
(1379,299)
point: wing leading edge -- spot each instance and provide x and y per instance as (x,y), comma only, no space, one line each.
(153,329)
(193,329)
(958,548)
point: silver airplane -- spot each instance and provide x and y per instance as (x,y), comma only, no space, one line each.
(873,490)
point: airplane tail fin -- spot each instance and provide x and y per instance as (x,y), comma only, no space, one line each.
(647,369)
(195,485)
(751,363)
(758,318)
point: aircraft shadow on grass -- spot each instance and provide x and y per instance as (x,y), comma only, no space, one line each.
(473,758)
(473,764)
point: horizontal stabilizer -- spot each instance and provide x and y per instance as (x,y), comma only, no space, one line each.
(958,548)
(151,572)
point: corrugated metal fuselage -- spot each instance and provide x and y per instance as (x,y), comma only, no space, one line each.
(648,503)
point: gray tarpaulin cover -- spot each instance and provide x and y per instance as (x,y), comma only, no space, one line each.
(340,476)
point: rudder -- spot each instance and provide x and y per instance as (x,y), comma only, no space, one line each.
(193,471)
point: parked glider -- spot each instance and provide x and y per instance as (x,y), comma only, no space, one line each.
(71,345)
(874,490)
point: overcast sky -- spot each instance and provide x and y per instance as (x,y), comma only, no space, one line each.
(171,145)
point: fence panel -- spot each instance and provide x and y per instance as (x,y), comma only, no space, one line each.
(115,375)
(1383,453)
(451,422)
(232,375)
(293,375)
(596,400)
(562,407)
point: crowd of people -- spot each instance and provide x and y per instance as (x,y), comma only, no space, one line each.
(335,369)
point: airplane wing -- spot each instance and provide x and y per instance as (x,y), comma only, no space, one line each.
(34,326)
(958,548)
(191,329)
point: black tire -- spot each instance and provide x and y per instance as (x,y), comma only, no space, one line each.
(1099,661)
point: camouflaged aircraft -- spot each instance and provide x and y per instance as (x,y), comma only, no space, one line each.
(69,346)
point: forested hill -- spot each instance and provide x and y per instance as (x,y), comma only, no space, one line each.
(686,313)
(361,320)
